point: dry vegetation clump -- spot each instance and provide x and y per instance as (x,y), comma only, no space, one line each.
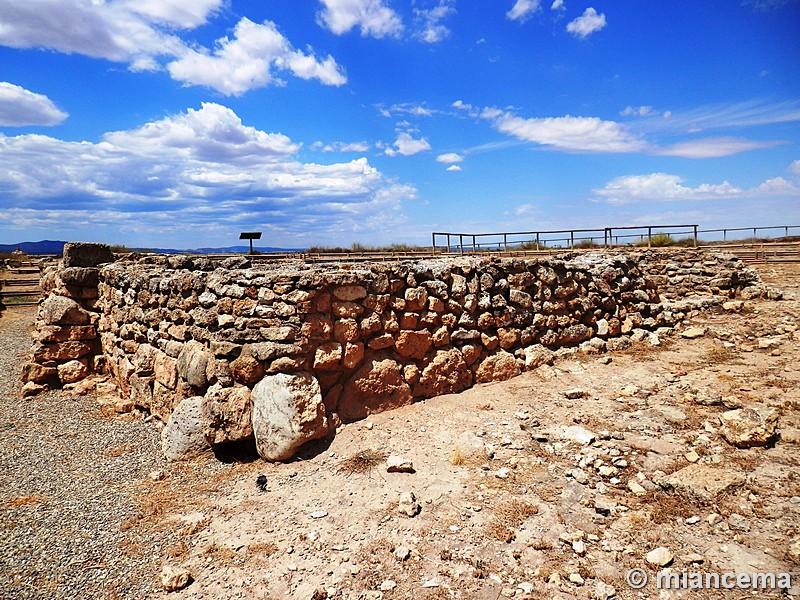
(716,355)
(362,462)
(663,507)
(508,517)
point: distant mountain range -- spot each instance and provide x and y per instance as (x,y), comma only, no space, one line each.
(57,247)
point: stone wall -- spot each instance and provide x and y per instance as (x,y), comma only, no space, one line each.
(282,352)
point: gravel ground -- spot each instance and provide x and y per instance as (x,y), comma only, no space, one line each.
(69,477)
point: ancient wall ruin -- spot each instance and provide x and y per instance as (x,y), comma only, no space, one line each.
(282,352)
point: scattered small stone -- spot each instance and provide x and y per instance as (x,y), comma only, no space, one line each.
(636,488)
(714,519)
(693,559)
(430,583)
(388,585)
(603,591)
(579,547)
(748,427)
(660,557)
(408,504)
(579,475)
(402,553)
(574,393)
(261,483)
(576,579)
(604,506)
(319,514)
(398,464)
(692,456)
(604,360)
(693,520)
(502,473)
(738,522)
(693,332)
(175,578)
(158,475)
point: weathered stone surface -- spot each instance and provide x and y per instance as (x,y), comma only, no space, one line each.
(165,370)
(32,388)
(328,356)
(64,333)
(37,373)
(175,578)
(182,436)
(413,344)
(703,482)
(748,427)
(80,276)
(287,412)
(447,373)
(407,504)
(349,293)
(226,414)
(537,355)
(85,254)
(497,367)
(72,371)
(61,351)
(247,370)
(195,364)
(376,386)
(60,310)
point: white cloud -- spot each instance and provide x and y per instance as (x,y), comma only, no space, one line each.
(431,30)
(522,10)
(587,23)
(120,32)
(712,147)
(558,5)
(639,111)
(373,17)
(406,145)
(795,167)
(186,175)
(657,187)
(449,158)
(405,108)
(20,107)
(142,33)
(581,134)
(342,147)
(186,14)
(247,62)
(453,168)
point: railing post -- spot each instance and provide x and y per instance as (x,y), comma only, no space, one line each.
(461,243)
(649,236)
(571,240)
(537,242)
(505,242)
(448,243)
(474,249)
(433,242)
(695,236)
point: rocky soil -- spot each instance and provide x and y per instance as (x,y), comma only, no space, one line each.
(550,485)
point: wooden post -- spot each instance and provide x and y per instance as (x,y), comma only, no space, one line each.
(571,239)
(537,242)
(695,236)
(461,243)
(505,242)
(649,236)
(474,249)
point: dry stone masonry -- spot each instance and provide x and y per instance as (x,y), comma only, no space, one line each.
(280,353)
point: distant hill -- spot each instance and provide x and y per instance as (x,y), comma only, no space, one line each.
(43,247)
(57,247)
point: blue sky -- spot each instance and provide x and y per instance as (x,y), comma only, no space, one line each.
(180,123)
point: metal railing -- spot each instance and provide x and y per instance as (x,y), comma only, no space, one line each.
(561,238)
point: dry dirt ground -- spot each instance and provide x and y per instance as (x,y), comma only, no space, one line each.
(514,498)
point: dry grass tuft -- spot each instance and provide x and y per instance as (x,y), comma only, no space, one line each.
(485,406)
(666,508)
(362,462)
(508,517)
(262,548)
(457,457)
(716,355)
